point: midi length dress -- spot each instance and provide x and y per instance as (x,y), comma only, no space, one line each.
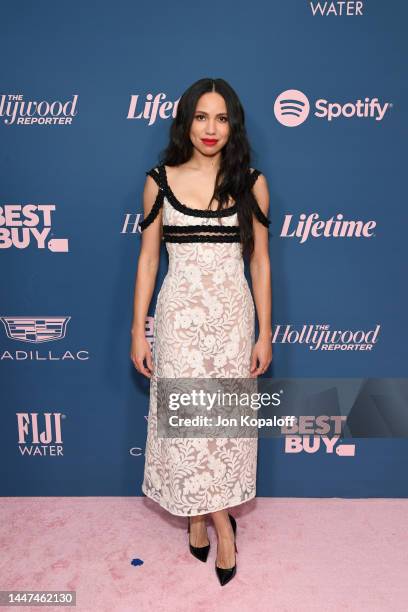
(204,326)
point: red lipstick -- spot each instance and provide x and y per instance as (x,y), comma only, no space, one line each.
(210,142)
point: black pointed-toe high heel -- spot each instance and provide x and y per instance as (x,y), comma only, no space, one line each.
(225,575)
(199,552)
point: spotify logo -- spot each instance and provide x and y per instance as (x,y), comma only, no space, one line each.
(292,108)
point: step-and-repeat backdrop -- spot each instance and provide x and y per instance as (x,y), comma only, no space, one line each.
(88,92)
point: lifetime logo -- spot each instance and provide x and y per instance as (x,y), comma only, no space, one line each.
(292,108)
(153,108)
(314,227)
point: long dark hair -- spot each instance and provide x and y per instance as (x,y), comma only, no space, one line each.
(233,177)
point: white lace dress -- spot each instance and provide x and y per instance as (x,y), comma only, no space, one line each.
(204,326)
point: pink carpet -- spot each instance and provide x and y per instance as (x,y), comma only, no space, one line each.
(293,555)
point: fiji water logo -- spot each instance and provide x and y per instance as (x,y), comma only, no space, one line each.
(14,110)
(292,108)
(40,434)
(151,108)
(35,329)
(347,8)
(312,226)
(22,225)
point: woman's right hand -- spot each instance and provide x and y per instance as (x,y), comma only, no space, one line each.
(140,351)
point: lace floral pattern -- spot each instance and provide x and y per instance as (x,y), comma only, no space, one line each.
(204,326)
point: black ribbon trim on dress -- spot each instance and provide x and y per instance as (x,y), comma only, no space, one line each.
(190,229)
(159,175)
(256,208)
(260,215)
(194,212)
(202,238)
(154,211)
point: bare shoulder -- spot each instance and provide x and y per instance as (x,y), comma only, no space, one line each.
(151,186)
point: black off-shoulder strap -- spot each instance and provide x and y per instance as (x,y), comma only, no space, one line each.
(259,214)
(158,203)
(253,176)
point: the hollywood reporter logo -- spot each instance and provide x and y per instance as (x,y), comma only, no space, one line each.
(321,337)
(292,108)
(309,434)
(40,434)
(22,225)
(14,110)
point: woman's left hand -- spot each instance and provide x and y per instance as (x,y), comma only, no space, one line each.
(262,352)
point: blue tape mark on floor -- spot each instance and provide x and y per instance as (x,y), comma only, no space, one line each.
(137,562)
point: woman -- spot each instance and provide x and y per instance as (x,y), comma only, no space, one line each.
(210,208)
